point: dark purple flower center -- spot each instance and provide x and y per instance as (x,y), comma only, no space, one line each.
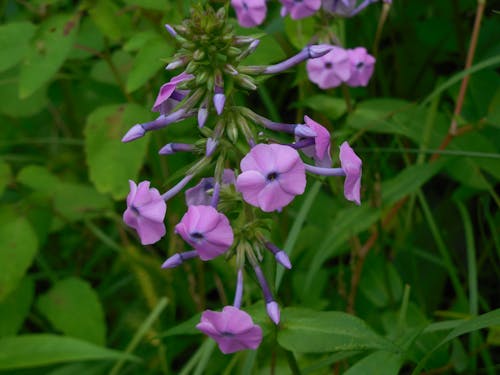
(272,176)
(360,65)
(197,236)
(328,65)
(135,210)
(227,334)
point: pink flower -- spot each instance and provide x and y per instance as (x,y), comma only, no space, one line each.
(145,212)
(207,230)
(351,164)
(250,13)
(272,175)
(320,151)
(362,65)
(300,8)
(233,329)
(331,69)
(168,97)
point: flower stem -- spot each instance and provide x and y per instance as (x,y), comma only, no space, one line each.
(292,363)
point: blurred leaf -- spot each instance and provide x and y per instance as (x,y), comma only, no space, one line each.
(137,40)
(81,368)
(13,106)
(494,336)
(18,246)
(377,363)
(493,116)
(14,43)
(299,32)
(409,181)
(102,72)
(147,63)
(111,162)
(48,52)
(331,107)
(309,331)
(5,176)
(268,52)
(162,5)
(73,307)
(187,327)
(35,350)
(15,307)
(89,40)
(110,19)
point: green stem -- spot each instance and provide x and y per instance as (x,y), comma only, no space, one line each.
(292,363)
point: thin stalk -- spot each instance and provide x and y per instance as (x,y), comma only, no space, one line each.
(292,363)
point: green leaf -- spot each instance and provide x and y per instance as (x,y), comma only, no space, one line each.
(89,40)
(109,19)
(147,63)
(329,106)
(35,350)
(101,71)
(13,106)
(162,5)
(268,52)
(14,43)
(5,176)
(15,307)
(309,331)
(73,307)
(409,181)
(377,363)
(299,32)
(18,246)
(51,47)
(111,162)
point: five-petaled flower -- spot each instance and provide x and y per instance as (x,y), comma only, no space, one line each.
(330,70)
(250,13)
(362,65)
(300,8)
(145,212)
(207,230)
(232,329)
(272,175)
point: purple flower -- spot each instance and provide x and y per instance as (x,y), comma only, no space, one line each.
(351,164)
(207,230)
(250,13)
(198,195)
(300,8)
(362,65)
(272,175)
(320,151)
(331,69)
(233,329)
(168,93)
(345,8)
(145,212)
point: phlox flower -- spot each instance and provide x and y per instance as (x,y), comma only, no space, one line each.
(331,69)
(250,13)
(351,164)
(300,8)
(145,212)
(168,96)
(320,150)
(362,65)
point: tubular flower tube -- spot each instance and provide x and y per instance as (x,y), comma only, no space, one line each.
(232,329)
(250,13)
(239,289)
(177,188)
(272,175)
(145,212)
(331,69)
(280,255)
(320,150)
(300,8)
(309,52)
(362,65)
(271,306)
(207,230)
(172,148)
(177,259)
(345,8)
(299,130)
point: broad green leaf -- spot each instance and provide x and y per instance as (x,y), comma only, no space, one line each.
(15,307)
(5,175)
(13,106)
(409,181)
(73,307)
(329,106)
(162,5)
(18,246)
(89,40)
(309,331)
(87,368)
(48,52)
(137,40)
(102,72)
(147,62)
(35,350)
(110,19)
(377,363)
(111,162)
(14,43)
(299,32)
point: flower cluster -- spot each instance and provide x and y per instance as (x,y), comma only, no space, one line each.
(223,214)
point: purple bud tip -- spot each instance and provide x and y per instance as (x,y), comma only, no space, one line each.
(304,131)
(273,311)
(211,146)
(202,116)
(283,259)
(253,46)
(167,150)
(135,132)
(219,100)
(319,50)
(174,65)
(170,30)
(172,262)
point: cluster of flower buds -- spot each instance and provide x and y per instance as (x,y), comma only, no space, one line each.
(223,216)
